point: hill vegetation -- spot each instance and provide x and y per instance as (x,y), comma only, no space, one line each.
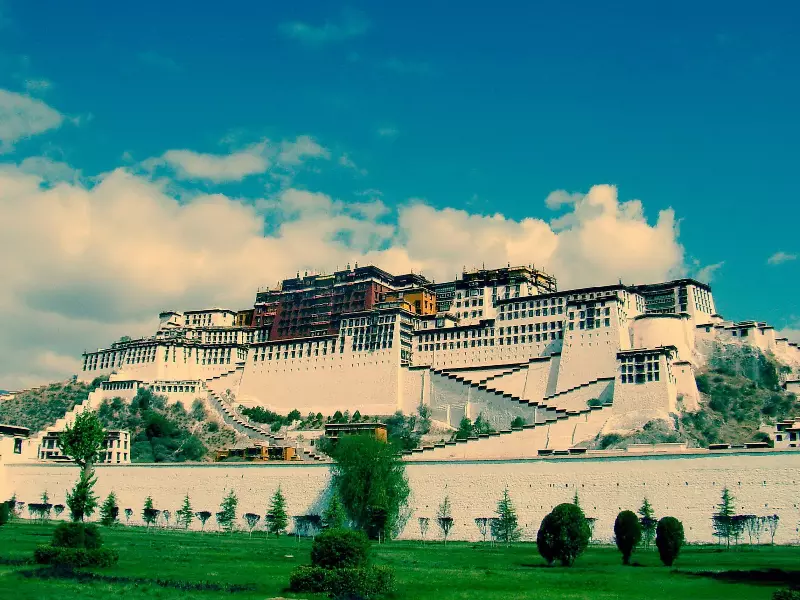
(162,432)
(740,391)
(41,407)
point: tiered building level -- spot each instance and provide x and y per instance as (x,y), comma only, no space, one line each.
(503,342)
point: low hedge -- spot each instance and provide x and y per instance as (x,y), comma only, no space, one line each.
(77,535)
(364,582)
(340,549)
(75,557)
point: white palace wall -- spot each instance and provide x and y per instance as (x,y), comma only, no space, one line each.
(687,487)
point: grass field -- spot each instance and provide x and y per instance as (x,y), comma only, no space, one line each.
(173,564)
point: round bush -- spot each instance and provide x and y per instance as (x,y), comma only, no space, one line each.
(77,535)
(669,539)
(563,534)
(340,548)
(75,557)
(627,533)
(363,582)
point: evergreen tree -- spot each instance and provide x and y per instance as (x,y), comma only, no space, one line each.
(277,519)
(334,516)
(226,517)
(109,512)
(149,513)
(723,518)
(648,521)
(184,514)
(575,499)
(504,527)
(81,441)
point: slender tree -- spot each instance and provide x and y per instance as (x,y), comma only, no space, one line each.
(772,527)
(723,518)
(227,515)
(184,515)
(166,516)
(648,522)
(109,511)
(277,519)
(444,518)
(149,512)
(252,520)
(505,528)
(482,524)
(203,516)
(128,515)
(81,441)
(334,516)
(423,527)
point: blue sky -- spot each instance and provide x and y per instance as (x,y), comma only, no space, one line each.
(485,109)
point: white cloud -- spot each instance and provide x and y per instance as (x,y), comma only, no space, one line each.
(23,117)
(706,274)
(33,86)
(152,58)
(387,132)
(251,160)
(349,163)
(351,24)
(51,171)
(781,257)
(303,147)
(94,262)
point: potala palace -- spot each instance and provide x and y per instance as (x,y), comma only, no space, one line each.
(504,343)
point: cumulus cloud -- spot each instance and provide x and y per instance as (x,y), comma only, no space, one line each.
(781,257)
(351,24)
(94,261)
(251,160)
(23,117)
(706,274)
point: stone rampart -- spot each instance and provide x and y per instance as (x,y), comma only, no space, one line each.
(685,486)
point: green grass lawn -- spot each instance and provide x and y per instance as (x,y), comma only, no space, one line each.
(173,564)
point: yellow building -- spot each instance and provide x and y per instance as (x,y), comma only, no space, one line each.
(421,300)
(243,318)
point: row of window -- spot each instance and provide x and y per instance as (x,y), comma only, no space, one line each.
(538,312)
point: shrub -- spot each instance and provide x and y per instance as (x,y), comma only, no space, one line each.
(340,548)
(669,539)
(75,557)
(5,513)
(563,534)
(362,582)
(77,535)
(786,595)
(627,534)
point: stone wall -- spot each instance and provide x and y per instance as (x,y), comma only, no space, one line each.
(687,487)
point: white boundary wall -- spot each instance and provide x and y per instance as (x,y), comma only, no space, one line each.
(687,487)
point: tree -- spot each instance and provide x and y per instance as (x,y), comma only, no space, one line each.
(464,429)
(772,526)
(648,521)
(517,422)
(482,425)
(723,519)
(482,524)
(423,527)
(669,539)
(627,534)
(252,520)
(128,515)
(109,512)
(334,516)
(444,518)
(81,441)
(370,478)
(149,512)
(204,516)
(277,519)
(226,517)
(575,500)
(58,509)
(563,534)
(166,516)
(424,412)
(505,528)
(184,515)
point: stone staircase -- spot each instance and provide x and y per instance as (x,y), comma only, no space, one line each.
(92,402)
(556,435)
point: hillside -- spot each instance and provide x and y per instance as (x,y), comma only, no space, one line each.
(40,407)
(740,392)
(166,433)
